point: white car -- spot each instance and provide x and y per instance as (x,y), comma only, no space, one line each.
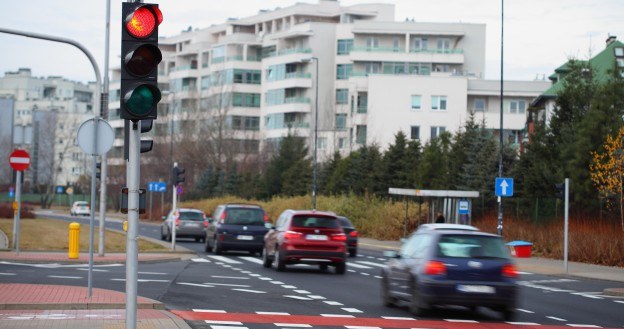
(80,208)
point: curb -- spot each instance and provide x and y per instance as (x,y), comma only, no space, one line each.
(87,306)
(617,292)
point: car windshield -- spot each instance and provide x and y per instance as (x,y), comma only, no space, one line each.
(315,222)
(191,215)
(344,222)
(244,216)
(471,246)
(81,204)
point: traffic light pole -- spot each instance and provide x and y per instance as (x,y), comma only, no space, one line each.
(174,204)
(104,115)
(565,233)
(132,250)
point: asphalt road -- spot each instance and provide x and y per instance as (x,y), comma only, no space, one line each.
(235,291)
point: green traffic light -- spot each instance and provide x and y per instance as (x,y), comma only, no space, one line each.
(141,100)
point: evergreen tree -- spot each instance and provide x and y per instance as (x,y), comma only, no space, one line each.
(395,162)
(325,173)
(434,168)
(290,163)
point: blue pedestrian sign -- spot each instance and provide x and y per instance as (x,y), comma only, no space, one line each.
(11,192)
(157,187)
(503,186)
(463,207)
(60,189)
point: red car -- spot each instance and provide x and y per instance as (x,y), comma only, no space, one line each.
(306,237)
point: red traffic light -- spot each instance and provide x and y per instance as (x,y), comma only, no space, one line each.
(143,21)
(143,60)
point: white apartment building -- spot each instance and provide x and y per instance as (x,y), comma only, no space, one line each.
(46,115)
(368,75)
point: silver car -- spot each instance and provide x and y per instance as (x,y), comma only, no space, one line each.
(189,223)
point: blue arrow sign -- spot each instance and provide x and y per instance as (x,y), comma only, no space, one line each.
(503,186)
(157,187)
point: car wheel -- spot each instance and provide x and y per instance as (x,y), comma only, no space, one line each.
(417,306)
(281,264)
(386,296)
(168,236)
(323,267)
(162,234)
(352,252)
(508,314)
(207,246)
(198,239)
(216,248)
(341,268)
(266,260)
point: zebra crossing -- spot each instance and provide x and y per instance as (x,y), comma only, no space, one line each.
(233,260)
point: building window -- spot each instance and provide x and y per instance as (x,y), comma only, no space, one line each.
(479,105)
(362,103)
(342,96)
(322,143)
(619,51)
(517,106)
(341,121)
(436,131)
(420,44)
(246,100)
(415,102)
(342,143)
(372,43)
(343,71)
(345,46)
(372,67)
(438,103)
(444,44)
(415,132)
(396,44)
(360,134)
(620,62)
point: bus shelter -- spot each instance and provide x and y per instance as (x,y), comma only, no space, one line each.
(455,206)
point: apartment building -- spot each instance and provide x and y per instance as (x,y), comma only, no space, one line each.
(46,113)
(352,73)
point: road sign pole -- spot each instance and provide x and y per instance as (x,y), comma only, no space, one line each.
(174,205)
(151,193)
(18,200)
(565,233)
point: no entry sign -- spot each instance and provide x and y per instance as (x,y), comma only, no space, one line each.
(19,160)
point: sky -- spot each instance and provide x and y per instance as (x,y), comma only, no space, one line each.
(539,35)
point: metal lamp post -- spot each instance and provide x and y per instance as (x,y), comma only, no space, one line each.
(315,173)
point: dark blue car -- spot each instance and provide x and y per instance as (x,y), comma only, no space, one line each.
(237,227)
(445,264)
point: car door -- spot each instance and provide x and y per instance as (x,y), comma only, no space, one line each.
(212,228)
(410,257)
(271,237)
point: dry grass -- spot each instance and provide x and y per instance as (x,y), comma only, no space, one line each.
(52,234)
(589,240)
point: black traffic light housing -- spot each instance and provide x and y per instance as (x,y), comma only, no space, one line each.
(140,57)
(98,170)
(178,175)
(560,191)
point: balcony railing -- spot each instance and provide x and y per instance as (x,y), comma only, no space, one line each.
(288,52)
(437,51)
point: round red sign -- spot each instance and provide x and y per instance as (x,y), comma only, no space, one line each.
(19,160)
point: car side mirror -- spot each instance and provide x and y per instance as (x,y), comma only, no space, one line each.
(164,217)
(269,226)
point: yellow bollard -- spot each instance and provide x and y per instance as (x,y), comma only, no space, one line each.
(74,240)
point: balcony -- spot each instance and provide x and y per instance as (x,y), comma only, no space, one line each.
(446,56)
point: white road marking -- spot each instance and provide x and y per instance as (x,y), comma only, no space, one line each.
(525,311)
(338,315)
(195,285)
(208,311)
(316,297)
(255,275)
(371,263)
(619,301)
(94,270)
(302,291)
(297,297)
(377,277)
(227,285)
(200,260)
(556,318)
(8,274)
(230,277)
(586,294)
(153,273)
(224,322)
(245,272)
(332,303)
(352,271)
(351,310)
(460,321)
(251,291)
(292,325)
(225,259)
(272,313)
(357,265)
(265,279)
(226,265)
(523,323)
(583,325)
(64,277)
(289,286)
(361,327)
(382,259)
(228,327)
(142,280)
(252,259)
(525,273)
(364,273)
(277,282)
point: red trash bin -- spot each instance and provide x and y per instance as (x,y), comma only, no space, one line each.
(520,249)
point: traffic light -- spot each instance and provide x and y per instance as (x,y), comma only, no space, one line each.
(178,175)
(98,170)
(146,144)
(140,57)
(560,191)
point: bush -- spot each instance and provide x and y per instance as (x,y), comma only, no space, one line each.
(6,211)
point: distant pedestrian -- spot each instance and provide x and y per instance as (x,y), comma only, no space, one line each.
(440,218)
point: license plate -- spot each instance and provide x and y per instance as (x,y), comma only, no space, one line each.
(191,225)
(245,237)
(475,289)
(316,237)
